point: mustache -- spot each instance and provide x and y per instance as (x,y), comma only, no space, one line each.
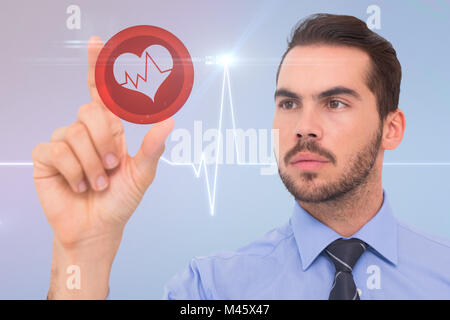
(311,146)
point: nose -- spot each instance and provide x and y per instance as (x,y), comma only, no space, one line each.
(308,124)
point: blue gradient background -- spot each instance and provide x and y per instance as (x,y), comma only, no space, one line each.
(43,84)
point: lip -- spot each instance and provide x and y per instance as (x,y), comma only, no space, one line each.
(308,161)
(304,156)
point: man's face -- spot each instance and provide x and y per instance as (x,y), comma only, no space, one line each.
(324,108)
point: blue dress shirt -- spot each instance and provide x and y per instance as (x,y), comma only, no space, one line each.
(288,262)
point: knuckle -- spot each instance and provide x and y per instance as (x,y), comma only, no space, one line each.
(57,134)
(35,153)
(54,135)
(58,150)
(84,111)
(76,130)
(96,106)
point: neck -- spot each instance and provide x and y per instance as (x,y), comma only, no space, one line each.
(350,212)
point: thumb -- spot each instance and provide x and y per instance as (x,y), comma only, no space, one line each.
(151,149)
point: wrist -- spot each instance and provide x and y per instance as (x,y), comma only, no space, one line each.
(101,248)
(82,272)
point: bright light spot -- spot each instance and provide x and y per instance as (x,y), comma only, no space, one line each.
(226,60)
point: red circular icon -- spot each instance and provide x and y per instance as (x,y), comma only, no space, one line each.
(144,74)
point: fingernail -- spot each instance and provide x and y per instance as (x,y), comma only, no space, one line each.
(111,160)
(82,186)
(101,183)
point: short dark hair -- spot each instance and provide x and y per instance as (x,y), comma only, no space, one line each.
(385,73)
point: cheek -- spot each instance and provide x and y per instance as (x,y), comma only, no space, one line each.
(286,124)
(286,133)
(346,130)
(346,141)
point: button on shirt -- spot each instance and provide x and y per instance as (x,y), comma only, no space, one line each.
(288,262)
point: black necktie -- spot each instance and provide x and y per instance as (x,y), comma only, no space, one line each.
(344,253)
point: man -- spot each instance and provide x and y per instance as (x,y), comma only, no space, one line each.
(336,108)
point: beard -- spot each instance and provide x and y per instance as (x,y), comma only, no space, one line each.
(354,175)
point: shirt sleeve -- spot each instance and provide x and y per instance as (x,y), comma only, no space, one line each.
(186,284)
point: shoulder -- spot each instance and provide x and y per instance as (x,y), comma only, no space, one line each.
(416,236)
(208,276)
(264,246)
(259,258)
(423,256)
(424,250)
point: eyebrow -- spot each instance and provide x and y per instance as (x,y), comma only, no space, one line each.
(324,94)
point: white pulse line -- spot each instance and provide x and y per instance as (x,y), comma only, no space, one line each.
(212,197)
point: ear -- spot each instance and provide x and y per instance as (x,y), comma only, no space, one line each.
(393,129)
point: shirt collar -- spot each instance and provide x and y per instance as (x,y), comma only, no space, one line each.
(312,236)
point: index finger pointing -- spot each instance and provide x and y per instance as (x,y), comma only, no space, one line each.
(95,45)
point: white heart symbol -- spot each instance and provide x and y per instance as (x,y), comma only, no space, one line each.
(146,73)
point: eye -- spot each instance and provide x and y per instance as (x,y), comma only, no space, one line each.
(334,104)
(287,104)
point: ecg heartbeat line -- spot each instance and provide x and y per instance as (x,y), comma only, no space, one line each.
(202,164)
(138,76)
